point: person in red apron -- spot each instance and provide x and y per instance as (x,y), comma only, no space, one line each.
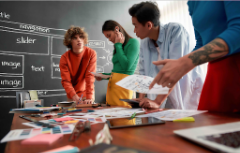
(217,31)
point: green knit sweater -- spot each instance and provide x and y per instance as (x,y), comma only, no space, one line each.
(125,60)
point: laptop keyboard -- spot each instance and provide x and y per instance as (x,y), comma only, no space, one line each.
(231,139)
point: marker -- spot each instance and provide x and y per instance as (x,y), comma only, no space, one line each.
(80,98)
(60,114)
(133,115)
(77,110)
(89,110)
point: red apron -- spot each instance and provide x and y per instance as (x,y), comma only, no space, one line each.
(221,90)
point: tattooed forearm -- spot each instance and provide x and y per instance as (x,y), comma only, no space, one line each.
(213,50)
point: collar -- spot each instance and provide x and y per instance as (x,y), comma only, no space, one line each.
(161,36)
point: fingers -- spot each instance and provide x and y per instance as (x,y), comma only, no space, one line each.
(167,84)
(156,80)
(141,103)
(118,37)
(137,99)
(144,103)
(98,78)
(121,36)
(80,102)
(88,101)
(162,62)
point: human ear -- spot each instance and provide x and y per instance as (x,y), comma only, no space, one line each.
(117,29)
(149,25)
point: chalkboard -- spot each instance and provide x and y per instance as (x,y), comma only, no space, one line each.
(31,43)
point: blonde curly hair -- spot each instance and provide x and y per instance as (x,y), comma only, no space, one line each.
(71,32)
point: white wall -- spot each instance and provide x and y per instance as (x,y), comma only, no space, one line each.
(177,11)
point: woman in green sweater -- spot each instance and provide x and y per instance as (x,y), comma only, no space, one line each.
(125,60)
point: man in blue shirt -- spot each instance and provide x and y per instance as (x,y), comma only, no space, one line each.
(169,41)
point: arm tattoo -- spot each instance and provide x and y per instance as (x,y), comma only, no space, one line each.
(207,54)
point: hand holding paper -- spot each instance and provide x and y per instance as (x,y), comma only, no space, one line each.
(101,75)
(140,83)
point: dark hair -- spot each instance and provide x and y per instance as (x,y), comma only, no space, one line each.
(71,32)
(110,25)
(144,12)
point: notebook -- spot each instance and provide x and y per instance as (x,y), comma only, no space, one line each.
(42,139)
(220,138)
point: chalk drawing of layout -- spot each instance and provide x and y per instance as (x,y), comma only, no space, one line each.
(22,38)
(24,43)
(57,47)
(100,69)
(31,28)
(96,44)
(55,74)
(11,82)
(11,64)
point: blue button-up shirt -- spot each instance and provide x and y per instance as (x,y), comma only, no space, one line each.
(173,41)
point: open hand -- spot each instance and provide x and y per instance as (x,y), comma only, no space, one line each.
(88,101)
(98,78)
(172,71)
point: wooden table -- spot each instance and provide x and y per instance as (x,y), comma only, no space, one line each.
(155,138)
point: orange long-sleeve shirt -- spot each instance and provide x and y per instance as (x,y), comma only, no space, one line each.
(75,72)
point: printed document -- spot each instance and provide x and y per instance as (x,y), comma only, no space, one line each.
(140,83)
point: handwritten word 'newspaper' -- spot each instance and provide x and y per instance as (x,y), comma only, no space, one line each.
(140,83)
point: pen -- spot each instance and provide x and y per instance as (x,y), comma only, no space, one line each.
(80,98)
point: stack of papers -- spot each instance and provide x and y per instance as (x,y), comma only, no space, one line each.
(34,109)
(42,139)
(141,83)
(21,134)
(170,115)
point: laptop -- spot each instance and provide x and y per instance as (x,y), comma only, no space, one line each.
(220,138)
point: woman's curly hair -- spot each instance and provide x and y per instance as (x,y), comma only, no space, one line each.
(71,32)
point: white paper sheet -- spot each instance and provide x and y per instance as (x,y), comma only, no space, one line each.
(101,75)
(21,134)
(140,83)
(170,115)
(116,112)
